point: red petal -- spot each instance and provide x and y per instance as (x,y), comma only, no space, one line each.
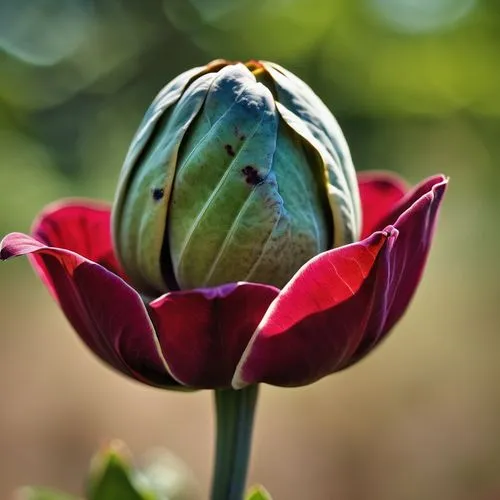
(204,332)
(82,226)
(380,192)
(404,203)
(318,319)
(342,303)
(108,314)
(406,260)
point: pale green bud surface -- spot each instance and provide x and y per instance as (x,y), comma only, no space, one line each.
(237,173)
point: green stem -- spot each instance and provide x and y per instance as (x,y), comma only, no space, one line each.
(234,420)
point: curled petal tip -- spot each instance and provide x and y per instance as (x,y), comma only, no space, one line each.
(443,183)
(15,244)
(439,189)
(5,252)
(438,182)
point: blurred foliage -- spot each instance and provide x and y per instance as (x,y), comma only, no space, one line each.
(113,476)
(258,493)
(415,86)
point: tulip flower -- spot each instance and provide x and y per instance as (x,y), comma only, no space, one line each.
(241,248)
(171,313)
(334,310)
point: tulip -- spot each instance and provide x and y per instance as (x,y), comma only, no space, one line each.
(333,311)
(245,250)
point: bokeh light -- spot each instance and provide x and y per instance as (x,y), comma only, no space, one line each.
(46,32)
(420,16)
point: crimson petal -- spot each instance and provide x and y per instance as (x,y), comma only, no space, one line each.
(108,314)
(421,190)
(407,259)
(204,332)
(380,192)
(82,226)
(317,320)
(342,303)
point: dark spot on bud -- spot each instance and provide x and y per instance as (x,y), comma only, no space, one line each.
(237,133)
(157,193)
(252,176)
(229,149)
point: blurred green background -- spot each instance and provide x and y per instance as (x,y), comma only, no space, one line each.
(415,85)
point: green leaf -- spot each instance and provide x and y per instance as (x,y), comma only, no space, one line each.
(258,493)
(111,476)
(37,493)
(114,483)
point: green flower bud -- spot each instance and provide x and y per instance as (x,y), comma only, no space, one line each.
(238,172)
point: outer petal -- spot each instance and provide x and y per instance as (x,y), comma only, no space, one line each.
(318,319)
(424,189)
(340,304)
(406,260)
(380,193)
(108,314)
(82,226)
(204,332)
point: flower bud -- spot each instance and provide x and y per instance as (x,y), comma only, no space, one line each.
(238,172)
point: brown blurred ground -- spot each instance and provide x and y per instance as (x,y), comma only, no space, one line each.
(419,418)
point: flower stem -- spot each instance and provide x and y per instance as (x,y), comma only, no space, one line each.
(234,420)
